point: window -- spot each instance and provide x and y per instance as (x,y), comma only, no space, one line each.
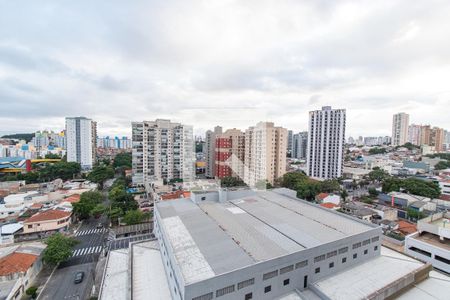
(442,259)
(286,269)
(420,251)
(305,281)
(225,290)
(319,258)
(30,226)
(366,251)
(344,260)
(357,245)
(331,254)
(375,248)
(301,264)
(355,255)
(248,296)
(317,270)
(267,289)
(270,275)
(366,242)
(343,250)
(246,283)
(375,239)
(286,281)
(331,265)
(208,296)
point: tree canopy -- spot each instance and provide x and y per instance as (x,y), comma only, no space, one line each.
(88,202)
(377,150)
(306,187)
(378,175)
(59,248)
(413,186)
(100,174)
(230,181)
(122,160)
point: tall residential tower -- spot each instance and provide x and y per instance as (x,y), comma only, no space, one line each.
(162,151)
(81,139)
(326,139)
(210,151)
(400,123)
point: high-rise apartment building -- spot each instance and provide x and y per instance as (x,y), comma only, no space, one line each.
(162,151)
(265,153)
(400,123)
(210,151)
(81,139)
(230,154)
(437,137)
(414,134)
(425,135)
(290,143)
(300,145)
(44,139)
(326,138)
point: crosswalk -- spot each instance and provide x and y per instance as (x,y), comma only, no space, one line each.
(86,251)
(90,231)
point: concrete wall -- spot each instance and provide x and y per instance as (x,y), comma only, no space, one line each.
(296,277)
(410,241)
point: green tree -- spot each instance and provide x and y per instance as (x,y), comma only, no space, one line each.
(308,190)
(133,217)
(32,292)
(378,175)
(330,186)
(421,187)
(52,156)
(88,201)
(373,192)
(291,180)
(122,160)
(230,181)
(442,165)
(414,214)
(391,184)
(59,248)
(100,174)
(98,210)
(377,150)
(114,214)
(344,194)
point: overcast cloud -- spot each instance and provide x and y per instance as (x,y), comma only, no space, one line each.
(224,62)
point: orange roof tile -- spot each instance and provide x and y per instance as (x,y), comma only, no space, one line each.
(48,215)
(328,205)
(16,262)
(36,205)
(73,198)
(175,195)
(322,196)
(406,227)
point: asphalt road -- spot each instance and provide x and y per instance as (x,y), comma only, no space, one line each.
(84,258)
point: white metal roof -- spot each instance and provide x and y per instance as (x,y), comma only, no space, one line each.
(114,285)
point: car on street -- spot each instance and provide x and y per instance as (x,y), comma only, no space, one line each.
(78,277)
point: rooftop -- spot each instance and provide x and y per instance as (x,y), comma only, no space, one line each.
(51,214)
(16,262)
(214,238)
(432,239)
(368,278)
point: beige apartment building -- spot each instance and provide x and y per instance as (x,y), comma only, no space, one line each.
(432,137)
(265,153)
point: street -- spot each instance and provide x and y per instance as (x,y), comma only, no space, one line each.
(84,258)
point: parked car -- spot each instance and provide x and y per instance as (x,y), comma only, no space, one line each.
(99,225)
(79,277)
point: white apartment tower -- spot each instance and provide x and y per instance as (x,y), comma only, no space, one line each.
(210,151)
(326,139)
(400,124)
(265,153)
(162,151)
(81,139)
(414,134)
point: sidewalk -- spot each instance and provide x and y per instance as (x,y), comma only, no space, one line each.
(41,279)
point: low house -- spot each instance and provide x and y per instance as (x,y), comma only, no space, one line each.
(359,211)
(48,220)
(8,231)
(330,205)
(19,267)
(406,227)
(328,198)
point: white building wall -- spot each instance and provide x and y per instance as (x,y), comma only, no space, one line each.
(427,252)
(81,141)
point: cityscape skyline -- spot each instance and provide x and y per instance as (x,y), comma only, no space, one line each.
(192,70)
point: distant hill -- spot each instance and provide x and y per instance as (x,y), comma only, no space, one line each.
(20,136)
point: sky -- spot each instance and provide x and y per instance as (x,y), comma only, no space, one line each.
(223,62)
